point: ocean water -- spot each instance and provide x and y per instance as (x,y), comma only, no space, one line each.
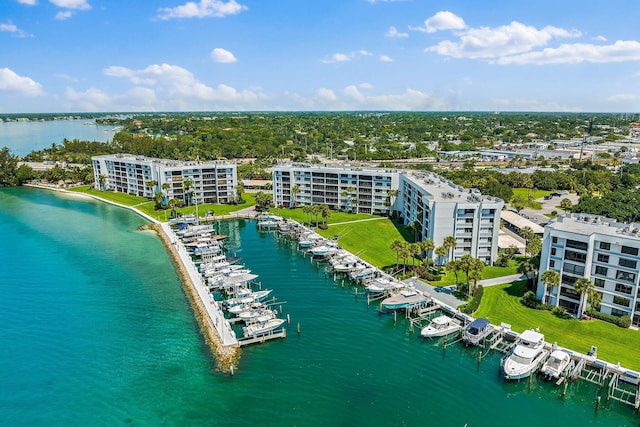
(97,331)
(24,137)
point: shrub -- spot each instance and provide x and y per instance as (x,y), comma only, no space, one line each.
(561,312)
(529,300)
(472,306)
(323,226)
(622,321)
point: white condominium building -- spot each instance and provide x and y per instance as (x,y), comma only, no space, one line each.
(599,249)
(347,188)
(213,181)
(437,208)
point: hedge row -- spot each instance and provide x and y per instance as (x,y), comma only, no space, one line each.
(622,321)
(472,306)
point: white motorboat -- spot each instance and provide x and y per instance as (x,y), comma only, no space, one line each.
(556,364)
(527,356)
(477,331)
(441,326)
(262,325)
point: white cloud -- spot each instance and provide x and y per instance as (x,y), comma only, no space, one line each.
(338,57)
(177,88)
(351,98)
(202,9)
(222,55)
(600,38)
(515,104)
(345,57)
(485,42)
(385,58)
(620,51)
(394,33)
(28,2)
(443,20)
(622,97)
(63,15)
(11,28)
(10,82)
(326,95)
(366,85)
(72,4)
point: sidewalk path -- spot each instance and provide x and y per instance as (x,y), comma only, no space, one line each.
(357,220)
(503,279)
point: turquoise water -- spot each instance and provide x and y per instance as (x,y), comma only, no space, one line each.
(97,331)
(24,137)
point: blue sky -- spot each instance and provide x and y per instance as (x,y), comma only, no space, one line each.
(299,55)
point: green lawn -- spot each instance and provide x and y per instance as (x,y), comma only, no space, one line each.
(489,272)
(501,303)
(301,217)
(147,206)
(370,240)
(525,192)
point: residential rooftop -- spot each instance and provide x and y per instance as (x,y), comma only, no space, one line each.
(588,224)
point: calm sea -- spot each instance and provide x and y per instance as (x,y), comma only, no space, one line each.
(95,330)
(23,137)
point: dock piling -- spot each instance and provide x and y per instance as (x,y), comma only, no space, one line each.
(298,328)
(288,319)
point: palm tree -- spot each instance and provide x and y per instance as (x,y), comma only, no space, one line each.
(295,190)
(165,188)
(102,179)
(391,195)
(453,266)
(414,249)
(415,225)
(396,245)
(427,246)
(583,287)
(450,243)
(150,184)
(404,253)
(565,204)
(475,276)
(440,252)
(325,212)
(187,185)
(550,278)
(307,210)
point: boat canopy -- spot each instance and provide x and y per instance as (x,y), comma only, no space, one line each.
(478,325)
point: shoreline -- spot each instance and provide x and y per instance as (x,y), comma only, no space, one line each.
(227,356)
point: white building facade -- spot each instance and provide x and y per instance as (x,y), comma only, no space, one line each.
(213,182)
(440,208)
(436,207)
(600,249)
(347,188)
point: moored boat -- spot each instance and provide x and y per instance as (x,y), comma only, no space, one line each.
(441,326)
(262,325)
(556,364)
(476,331)
(404,299)
(527,355)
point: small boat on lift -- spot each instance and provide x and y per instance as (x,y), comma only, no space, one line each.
(527,356)
(476,331)
(556,365)
(404,299)
(441,326)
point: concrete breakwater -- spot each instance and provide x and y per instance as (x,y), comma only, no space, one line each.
(227,356)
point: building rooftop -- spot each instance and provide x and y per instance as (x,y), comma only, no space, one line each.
(336,166)
(165,162)
(520,222)
(444,190)
(587,224)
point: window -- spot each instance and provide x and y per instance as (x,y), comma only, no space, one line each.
(552,264)
(578,270)
(621,301)
(629,250)
(603,258)
(625,289)
(623,275)
(575,256)
(623,262)
(599,283)
(601,270)
(553,251)
(554,240)
(568,280)
(580,245)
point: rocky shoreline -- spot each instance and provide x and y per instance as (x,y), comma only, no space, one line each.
(227,357)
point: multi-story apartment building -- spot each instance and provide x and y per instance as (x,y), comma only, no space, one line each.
(213,181)
(436,206)
(600,249)
(348,188)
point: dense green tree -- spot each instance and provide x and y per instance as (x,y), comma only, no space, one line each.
(8,168)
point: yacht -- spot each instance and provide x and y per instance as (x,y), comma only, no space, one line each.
(441,326)
(404,299)
(527,355)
